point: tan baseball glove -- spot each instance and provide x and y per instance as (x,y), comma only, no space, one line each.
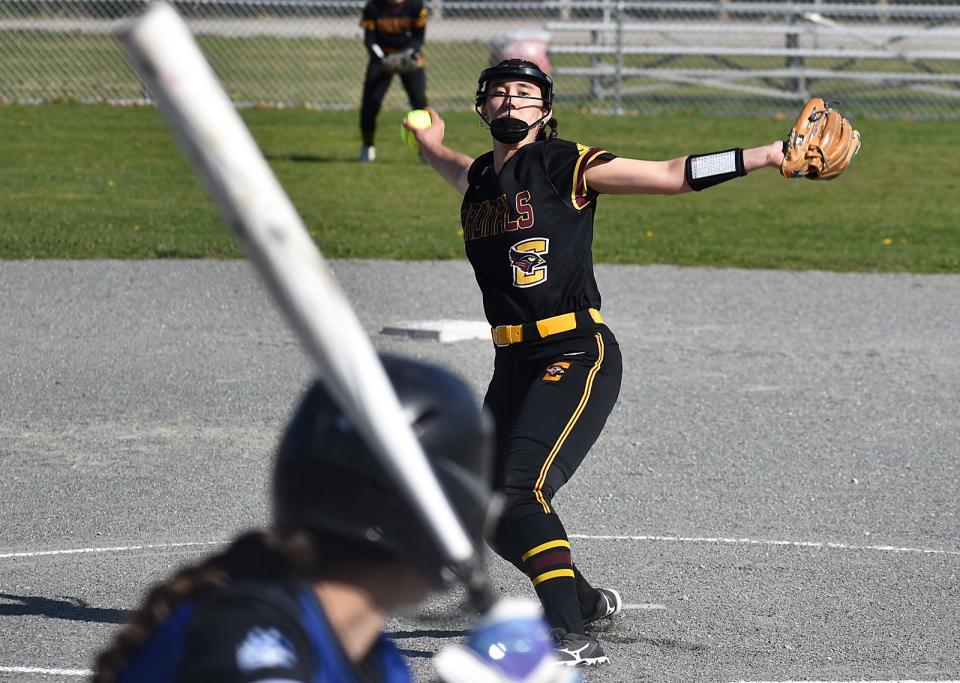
(403,61)
(821,145)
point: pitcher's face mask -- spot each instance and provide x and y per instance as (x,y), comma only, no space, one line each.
(503,86)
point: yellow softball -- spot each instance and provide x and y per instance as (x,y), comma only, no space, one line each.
(418,118)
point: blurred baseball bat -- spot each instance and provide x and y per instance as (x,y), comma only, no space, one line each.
(226,158)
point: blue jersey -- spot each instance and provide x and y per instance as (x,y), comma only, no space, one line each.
(256,631)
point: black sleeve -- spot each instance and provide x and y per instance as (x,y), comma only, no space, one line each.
(368,22)
(419,30)
(369,39)
(416,39)
(566,163)
(477,167)
(246,635)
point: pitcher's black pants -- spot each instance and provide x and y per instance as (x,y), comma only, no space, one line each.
(550,399)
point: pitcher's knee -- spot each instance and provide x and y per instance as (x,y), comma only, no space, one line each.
(523,502)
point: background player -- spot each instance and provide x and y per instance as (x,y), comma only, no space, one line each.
(307,598)
(527,218)
(393,33)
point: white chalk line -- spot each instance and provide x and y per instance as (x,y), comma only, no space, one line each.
(825,545)
(609,537)
(44,672)
(770,542)
(111,549)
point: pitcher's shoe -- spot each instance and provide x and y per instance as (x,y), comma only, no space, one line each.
(368,153)
(608,604)
(574,649)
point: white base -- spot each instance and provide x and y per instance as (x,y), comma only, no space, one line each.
(444,331)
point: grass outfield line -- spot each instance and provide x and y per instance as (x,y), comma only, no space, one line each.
(100,182)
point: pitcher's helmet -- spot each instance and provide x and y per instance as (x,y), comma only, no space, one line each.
(514,69)
(327,479)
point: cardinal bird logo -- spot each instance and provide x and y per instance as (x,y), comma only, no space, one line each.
(556,371)
(528,263)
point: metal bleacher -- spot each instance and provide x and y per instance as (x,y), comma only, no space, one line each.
(780,51)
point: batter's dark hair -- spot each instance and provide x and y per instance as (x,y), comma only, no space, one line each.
(267,554)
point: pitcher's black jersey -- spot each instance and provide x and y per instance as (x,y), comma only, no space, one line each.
(528,231)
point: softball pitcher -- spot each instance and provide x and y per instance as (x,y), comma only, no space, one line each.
(527,218)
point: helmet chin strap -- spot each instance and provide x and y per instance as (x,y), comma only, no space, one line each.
(510,131)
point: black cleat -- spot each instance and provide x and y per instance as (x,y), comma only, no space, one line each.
(574,649)
(608,604)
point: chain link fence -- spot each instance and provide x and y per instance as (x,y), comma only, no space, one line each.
(885,58)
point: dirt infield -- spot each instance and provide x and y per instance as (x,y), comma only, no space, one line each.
(775,494)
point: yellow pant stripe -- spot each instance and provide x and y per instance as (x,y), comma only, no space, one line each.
(538,487)
(555,574)
(559,543)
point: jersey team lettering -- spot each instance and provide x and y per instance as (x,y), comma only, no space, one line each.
(491,217)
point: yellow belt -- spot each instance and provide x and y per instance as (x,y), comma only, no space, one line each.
(505,335)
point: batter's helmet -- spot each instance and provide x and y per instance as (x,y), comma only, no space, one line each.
(519,69)
(326,478)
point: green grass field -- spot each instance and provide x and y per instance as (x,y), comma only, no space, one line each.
(104,182)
